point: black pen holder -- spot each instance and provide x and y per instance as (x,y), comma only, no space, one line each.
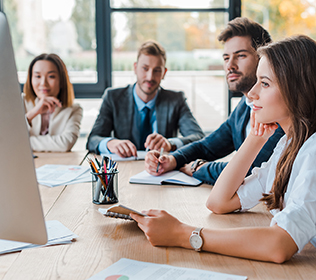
(105,187)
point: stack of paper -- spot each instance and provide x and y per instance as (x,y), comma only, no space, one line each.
(57,234)
(52,175)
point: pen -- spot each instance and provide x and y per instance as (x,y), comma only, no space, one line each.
(105,160)
(105,176)
(161,152)
(96,160)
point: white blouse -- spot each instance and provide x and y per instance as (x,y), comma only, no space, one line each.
(298,217)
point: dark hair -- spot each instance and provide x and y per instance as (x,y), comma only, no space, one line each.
(152,47)
(245,27)
(66,94)
(293,61)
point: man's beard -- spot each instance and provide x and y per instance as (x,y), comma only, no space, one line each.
(153,91)
(244,85)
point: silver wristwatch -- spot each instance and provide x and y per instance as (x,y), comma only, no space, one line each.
(196,240)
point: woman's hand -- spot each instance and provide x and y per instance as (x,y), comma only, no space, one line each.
(46,104)
(259,129)
(162,229)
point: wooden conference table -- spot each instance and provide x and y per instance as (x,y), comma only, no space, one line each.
(103,241)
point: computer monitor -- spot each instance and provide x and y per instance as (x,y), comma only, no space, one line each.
(21,214)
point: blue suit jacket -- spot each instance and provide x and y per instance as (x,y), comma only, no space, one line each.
(223,141)
(116,117)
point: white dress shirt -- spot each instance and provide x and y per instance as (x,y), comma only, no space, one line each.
(298,217)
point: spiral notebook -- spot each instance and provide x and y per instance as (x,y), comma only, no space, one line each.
(119,211)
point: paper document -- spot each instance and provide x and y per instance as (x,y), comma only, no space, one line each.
(173,178)
(83,178)
(57,234)
(135,270)
(53,175)
(140,156)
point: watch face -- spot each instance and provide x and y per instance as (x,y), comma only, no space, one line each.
(196,241)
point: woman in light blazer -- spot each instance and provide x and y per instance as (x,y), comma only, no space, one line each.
(52,118)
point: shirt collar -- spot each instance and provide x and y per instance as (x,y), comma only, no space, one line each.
(140,104)
(249,103)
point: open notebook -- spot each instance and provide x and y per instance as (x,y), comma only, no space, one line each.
(169,178)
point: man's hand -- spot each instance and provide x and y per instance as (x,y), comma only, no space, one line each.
(156,141)
(123,148)
(167,163)
(187,168)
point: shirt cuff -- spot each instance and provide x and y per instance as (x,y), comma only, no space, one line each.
(102,147)
(177,142)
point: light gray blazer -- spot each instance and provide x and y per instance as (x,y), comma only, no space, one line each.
(116,116)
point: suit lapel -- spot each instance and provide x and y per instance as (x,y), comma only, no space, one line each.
(127,111)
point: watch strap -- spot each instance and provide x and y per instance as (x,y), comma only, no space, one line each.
(196,164)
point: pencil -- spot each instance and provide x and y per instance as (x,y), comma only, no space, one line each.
(96,171)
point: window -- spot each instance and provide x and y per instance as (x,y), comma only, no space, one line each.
(98,40)
(65,27)
(188,31)
(170,4)
(283,18)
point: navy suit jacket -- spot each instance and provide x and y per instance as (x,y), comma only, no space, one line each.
(223,141)
(116,116)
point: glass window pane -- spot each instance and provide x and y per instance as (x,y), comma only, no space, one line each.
(194,56)
(183,4)
(283,18)
(64,27)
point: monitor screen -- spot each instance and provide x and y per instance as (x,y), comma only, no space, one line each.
(21,214)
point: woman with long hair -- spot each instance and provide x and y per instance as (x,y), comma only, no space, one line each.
(285,93)
(53,120)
